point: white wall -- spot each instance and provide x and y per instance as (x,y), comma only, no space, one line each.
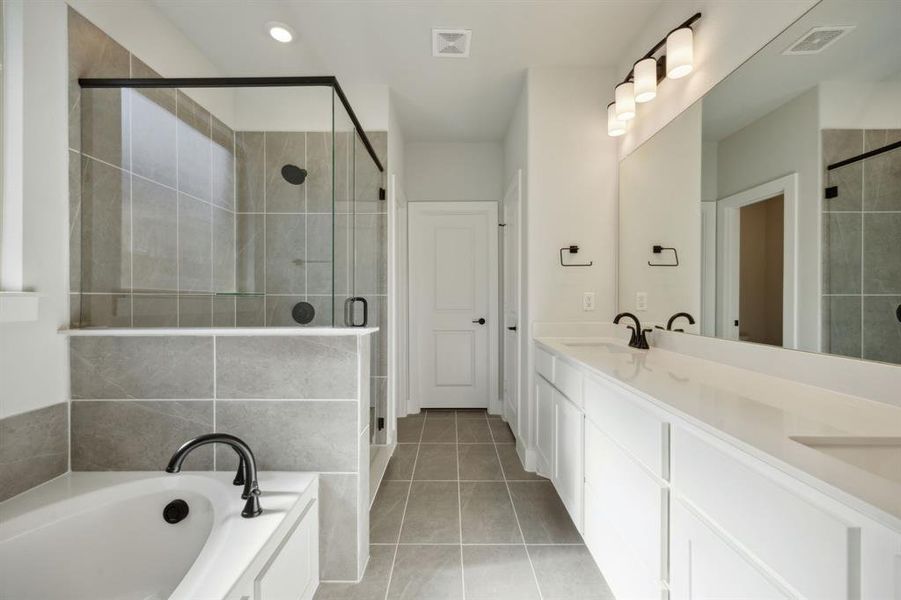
(572,199)
(660,203)
(785,141)
(33,356)
(860,105)
(454,172)
(727,34)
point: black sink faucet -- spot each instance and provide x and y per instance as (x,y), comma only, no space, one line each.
(638,339)
(247,468)
(669,324)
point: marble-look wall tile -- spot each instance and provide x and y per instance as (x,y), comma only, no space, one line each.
(290,435)
(224,311)
(278,311)
(75,230)
(342,195)
(194,148)
(195,310)
(153,367)
(106,228)
(284,148)
(103,310)
(367,179)
(371,254)
(842,253)
(338,527)
(105,134)
(155,243)
(155,310)
(882,173)
(34,448)
(881,328)
(839,144)
(882,252)
(250,253)
(319,171)
(250,153)
(138,435)
(286,254)
(224,250)
(320,252)
(92,53)
(841,325)
(195,245)
(320,367)
(223,165)
(250,311)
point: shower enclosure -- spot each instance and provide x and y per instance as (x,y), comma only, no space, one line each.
(228,202)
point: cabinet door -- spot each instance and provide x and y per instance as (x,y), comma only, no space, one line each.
(568,447)
(293,571)
(544,426)
(704,567)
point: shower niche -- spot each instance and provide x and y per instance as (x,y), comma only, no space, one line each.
(226,203)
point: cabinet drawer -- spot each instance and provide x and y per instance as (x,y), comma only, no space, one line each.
(815,551)
(568,380)
(621,416)
(544,364)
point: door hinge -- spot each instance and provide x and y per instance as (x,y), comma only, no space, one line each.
(381,423)
(501,224)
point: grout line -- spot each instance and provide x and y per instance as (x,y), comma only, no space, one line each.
(459,499)
(516,515)
(404,513)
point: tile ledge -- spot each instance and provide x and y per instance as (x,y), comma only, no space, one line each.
(18,307)
(221,331)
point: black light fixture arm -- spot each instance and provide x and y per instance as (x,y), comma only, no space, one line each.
(650,53)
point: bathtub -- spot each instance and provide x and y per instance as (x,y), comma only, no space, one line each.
(102,535)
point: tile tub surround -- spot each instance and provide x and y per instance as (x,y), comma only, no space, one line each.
(34,448)
(861,262)
(298,397)
(457,517)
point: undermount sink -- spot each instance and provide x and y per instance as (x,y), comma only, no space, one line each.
(878,455)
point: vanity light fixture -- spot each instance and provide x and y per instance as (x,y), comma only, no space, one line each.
(640,85)
(624,96)
(280,32)
(679,53)
(615,127)
(645,74)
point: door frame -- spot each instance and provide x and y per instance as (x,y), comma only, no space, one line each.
(510,199)
(488,210)
(728,253)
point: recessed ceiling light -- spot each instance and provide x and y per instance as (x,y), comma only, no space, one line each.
(280,32)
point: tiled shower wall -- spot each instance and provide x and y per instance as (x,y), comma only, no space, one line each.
(300,402)
(862,246)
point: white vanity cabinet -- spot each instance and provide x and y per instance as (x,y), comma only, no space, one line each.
(670,509)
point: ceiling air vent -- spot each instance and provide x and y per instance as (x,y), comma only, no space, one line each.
(451,43)
(818,39)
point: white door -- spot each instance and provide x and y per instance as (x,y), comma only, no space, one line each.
(453,303)
(511,333)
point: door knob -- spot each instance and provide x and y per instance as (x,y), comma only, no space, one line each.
(480,321)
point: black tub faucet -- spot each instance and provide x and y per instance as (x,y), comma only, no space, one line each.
(639,339)
(247,467)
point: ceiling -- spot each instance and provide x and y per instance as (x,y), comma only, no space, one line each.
(769,79)
(380,42)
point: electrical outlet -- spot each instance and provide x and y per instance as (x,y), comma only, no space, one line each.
(588,301)
(641,300)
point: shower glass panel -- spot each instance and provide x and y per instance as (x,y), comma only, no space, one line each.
(216,203)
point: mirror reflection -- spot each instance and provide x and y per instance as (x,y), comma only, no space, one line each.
(781,192)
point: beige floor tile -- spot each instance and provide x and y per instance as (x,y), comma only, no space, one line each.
(498,573)
(479,462)
(488,516)
(541,513)
(427,573)
(568,573)
(433,514)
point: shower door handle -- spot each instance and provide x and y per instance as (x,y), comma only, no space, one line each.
(349,311)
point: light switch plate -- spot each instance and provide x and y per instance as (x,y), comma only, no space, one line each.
(587,301)
(641,300)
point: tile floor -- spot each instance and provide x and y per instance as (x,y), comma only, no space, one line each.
(457,517)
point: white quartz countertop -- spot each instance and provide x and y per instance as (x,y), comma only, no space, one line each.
(764,415)
(219,331)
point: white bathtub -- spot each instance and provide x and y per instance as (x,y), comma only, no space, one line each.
(102,535)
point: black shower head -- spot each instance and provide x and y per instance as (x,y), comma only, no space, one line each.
(294,174)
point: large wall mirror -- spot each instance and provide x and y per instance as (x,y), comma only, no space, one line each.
(780,190)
